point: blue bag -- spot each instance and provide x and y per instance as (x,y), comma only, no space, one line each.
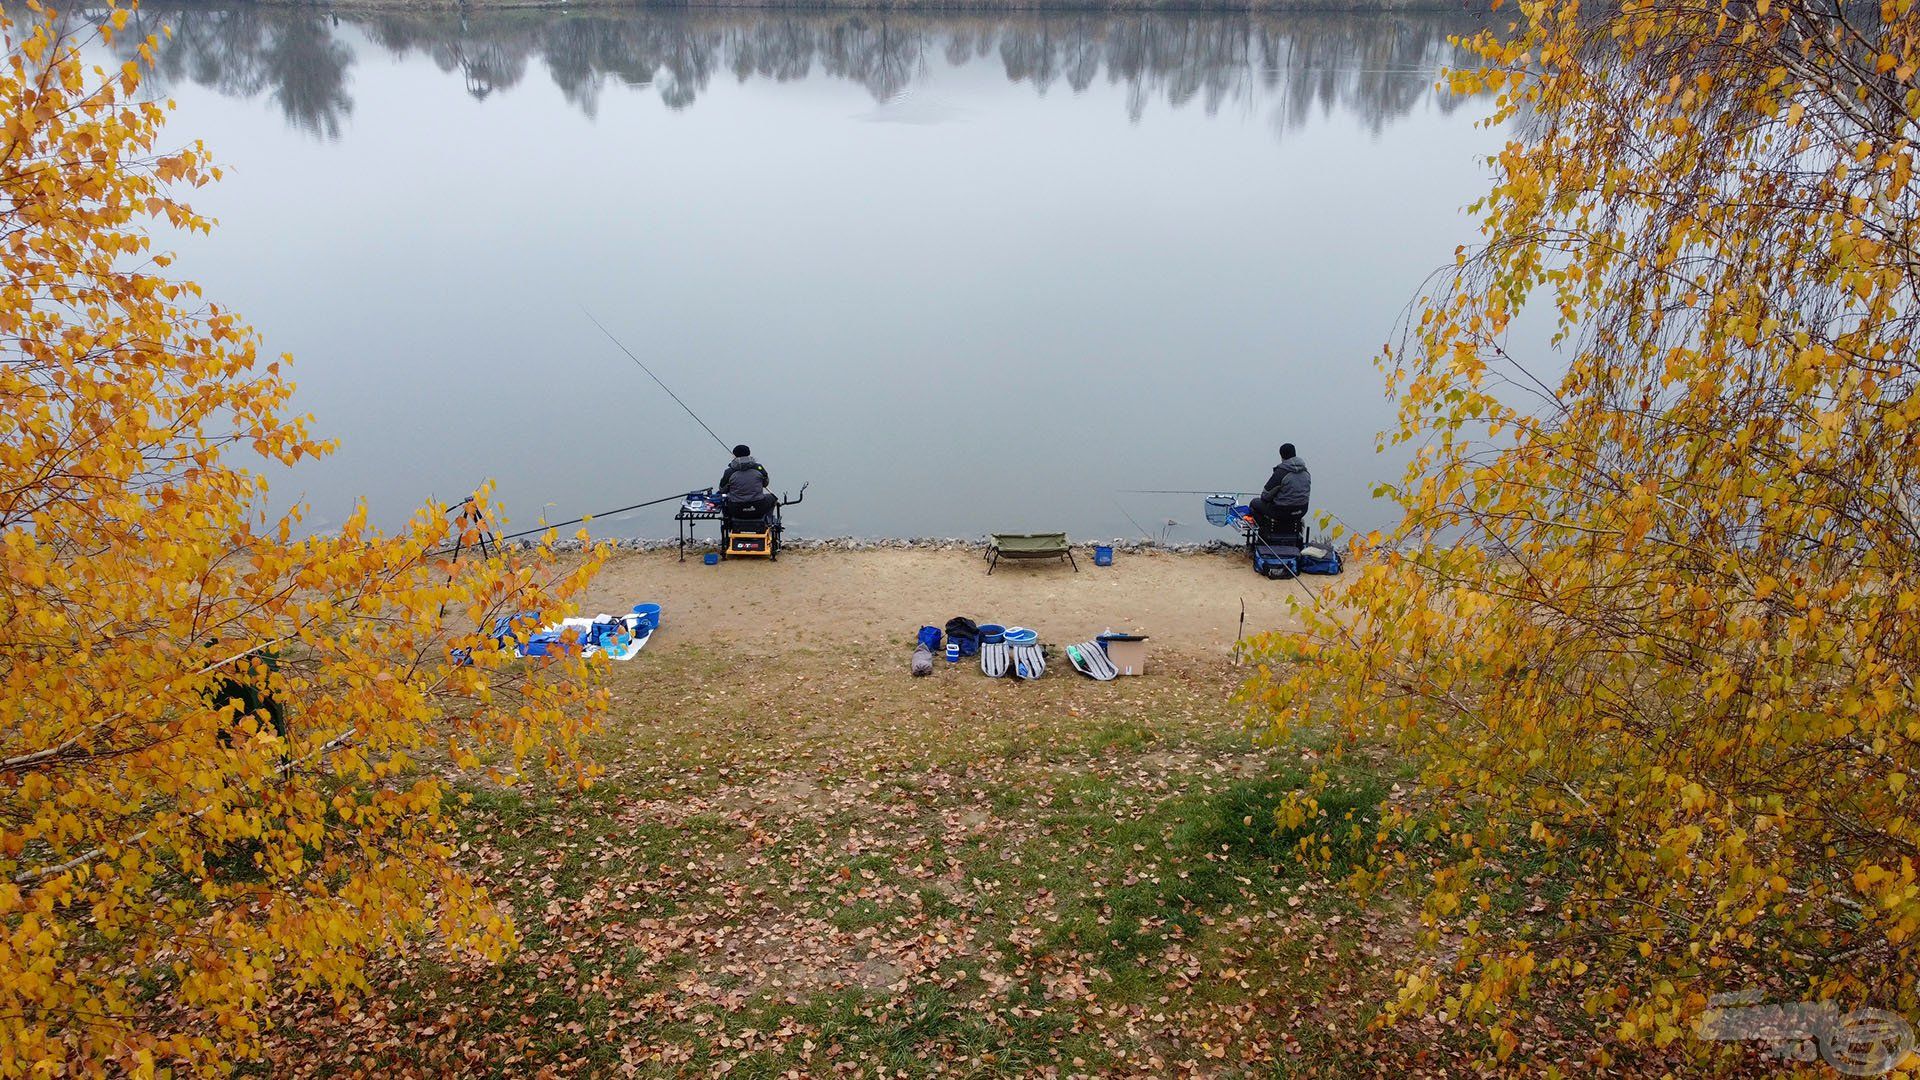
(539,644)
(1277,561)
(1315,559)
(930,637)
(503,636)
(503,626)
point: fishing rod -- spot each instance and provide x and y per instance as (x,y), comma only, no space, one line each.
(1163,491)
(655,378)
(561,524)
(606,513)
(603,513)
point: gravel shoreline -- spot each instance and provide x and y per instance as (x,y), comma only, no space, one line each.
(901,7)
(918,543)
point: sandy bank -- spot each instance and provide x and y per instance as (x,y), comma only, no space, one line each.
(1188,603)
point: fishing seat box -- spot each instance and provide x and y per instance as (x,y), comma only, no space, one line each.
(749,541)
(1277,561)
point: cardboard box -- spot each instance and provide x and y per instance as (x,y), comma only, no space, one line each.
(1127,651)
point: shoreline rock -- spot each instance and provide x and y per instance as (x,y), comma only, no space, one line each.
(918,543)
(902,7)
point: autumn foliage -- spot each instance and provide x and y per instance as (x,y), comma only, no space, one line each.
(168,864)
(1650,629)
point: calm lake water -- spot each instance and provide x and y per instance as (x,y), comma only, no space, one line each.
(962,273)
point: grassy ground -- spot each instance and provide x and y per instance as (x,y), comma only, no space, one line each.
(826,867)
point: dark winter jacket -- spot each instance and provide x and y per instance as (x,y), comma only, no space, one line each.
(236,697)
(744,480)
(1289,485)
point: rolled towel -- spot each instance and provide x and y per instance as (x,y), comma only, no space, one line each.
(1028,661)
(993,660)
(1092,661)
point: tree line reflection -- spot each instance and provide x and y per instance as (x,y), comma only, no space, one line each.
(1377,67)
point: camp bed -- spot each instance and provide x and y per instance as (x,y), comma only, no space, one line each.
(1024,546)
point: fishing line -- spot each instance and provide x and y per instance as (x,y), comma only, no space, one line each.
(656,378)
(1129,517)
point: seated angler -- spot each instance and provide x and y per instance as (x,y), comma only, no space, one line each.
(1282,504)
(743,486)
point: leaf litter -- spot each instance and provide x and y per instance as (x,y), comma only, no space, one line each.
(821,867)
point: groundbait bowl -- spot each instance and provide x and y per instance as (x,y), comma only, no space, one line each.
(1020,635)
(992,633)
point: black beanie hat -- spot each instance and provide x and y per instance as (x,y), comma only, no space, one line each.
(1286,450)
(742,451)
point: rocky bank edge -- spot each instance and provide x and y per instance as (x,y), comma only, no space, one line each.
(858,543)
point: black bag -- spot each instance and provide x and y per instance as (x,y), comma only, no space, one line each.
(963,632)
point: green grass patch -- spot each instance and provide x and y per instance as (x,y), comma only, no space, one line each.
(1190,855)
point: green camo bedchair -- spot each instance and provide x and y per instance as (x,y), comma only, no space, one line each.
(1029,546)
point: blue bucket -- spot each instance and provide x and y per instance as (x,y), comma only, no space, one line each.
(712,559)
(1102,555)
(992,633)
(648,615)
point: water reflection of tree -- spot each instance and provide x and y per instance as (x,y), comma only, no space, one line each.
(294,57)
(1377,66)
(1380,76)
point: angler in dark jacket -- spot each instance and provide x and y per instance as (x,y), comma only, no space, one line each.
(1283,502)
(239,696)
(744,484)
